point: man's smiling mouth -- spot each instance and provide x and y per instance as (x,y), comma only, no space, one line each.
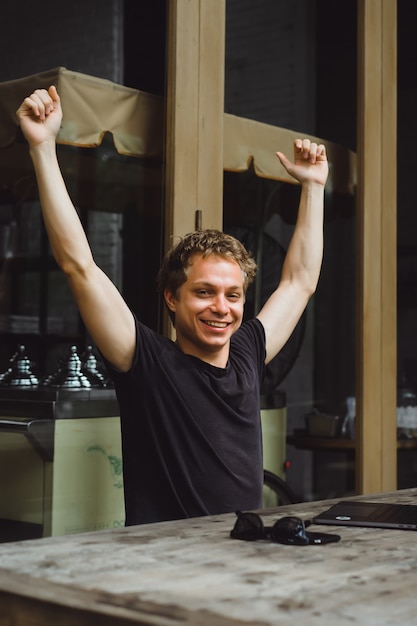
(216,324)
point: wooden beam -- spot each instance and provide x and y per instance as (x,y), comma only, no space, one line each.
(376,450)
(195,112)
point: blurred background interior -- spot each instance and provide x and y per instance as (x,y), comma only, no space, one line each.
(290,64)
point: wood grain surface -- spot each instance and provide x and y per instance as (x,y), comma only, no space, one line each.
(192,572)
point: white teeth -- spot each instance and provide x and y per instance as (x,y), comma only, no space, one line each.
(217,324)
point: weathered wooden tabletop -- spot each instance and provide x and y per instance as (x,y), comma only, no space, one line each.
(191,572)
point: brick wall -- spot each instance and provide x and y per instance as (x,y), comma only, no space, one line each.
(270,64)
(81,35)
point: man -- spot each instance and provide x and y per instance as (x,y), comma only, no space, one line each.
(189,409)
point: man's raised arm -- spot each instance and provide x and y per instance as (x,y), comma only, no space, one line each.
(105,314)
(301,269)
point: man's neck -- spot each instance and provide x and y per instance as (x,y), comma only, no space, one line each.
(216,357)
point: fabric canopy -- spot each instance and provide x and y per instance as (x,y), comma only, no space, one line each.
(93,107)
(249,142)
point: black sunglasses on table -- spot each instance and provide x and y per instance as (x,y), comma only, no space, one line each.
(287,530)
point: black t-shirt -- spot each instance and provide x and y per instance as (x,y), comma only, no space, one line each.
(191,432)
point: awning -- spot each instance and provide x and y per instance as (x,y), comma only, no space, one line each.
(249,142)
(93,107)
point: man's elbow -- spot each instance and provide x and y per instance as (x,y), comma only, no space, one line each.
(76,270)
(311,289)
(309,283)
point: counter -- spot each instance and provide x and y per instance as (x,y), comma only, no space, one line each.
(191,572)
(333,462)
(60,462)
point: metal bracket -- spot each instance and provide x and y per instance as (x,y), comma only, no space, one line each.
(40,433)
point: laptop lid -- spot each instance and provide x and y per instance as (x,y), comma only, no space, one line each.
(370,514)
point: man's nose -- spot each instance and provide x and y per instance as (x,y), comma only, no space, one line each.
(220,304)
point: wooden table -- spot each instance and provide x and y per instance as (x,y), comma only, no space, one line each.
(191,573)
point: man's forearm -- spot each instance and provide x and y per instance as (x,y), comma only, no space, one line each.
(305,252)
(66,234)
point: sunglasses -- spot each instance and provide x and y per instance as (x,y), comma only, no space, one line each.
(287,530)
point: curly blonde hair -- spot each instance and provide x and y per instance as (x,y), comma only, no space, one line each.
(174,266)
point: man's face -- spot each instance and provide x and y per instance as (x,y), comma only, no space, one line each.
(208,308)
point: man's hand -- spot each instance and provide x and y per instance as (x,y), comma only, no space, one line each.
(40,116)
(310,162)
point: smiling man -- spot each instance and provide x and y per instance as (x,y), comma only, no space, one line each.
(206,308)
(190,410)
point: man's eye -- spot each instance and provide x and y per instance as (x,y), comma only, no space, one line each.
(234,296)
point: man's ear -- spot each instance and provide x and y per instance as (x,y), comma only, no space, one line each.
(170,300)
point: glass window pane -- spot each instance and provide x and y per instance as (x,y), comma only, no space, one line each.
(119,201)
(68,477)
(279,70)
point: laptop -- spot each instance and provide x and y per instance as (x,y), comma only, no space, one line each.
(370,514)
